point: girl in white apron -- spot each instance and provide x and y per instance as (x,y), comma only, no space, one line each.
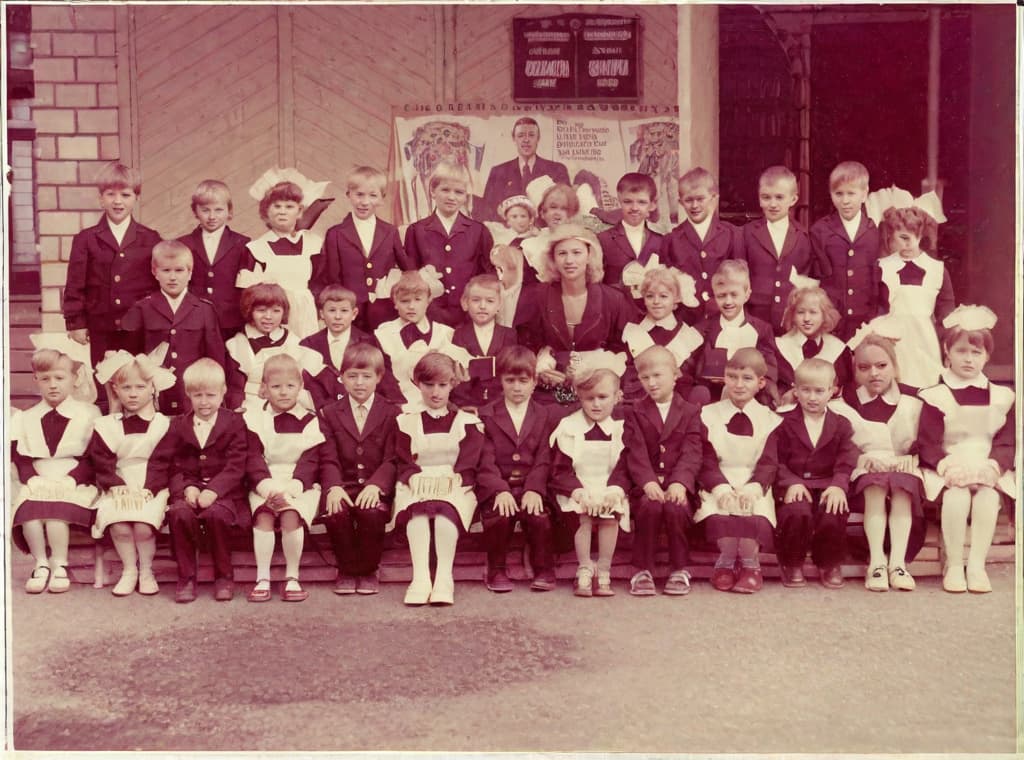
(967,444)
(438,449)
(130,471)
(49,442)
(283,469)
(809,320)
(587,478)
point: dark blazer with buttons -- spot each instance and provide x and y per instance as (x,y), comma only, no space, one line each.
(483,385)
(505,180)
(708,361)
(354,460)
(219,465)
(618,252)
(216,282)
(515,462)
(456,257)
(769,274)
(104,278)
(827,463)
(327,386)
(849,269)
(662,452)
(191,333)
(683,249)
(344,263)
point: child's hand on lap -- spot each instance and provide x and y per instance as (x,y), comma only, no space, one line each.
(369,497)
(797,492)
(676,494)
(834,499)
(505,503)
(533,503)
(336,496)
(191,496)
(206,497)
(654,491)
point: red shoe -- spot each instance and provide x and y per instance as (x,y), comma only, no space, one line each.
(749,581)
(723,578)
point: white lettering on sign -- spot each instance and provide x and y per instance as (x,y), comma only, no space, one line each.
(607,82)
(545,51)
(611,67)
(607,50)
(542,84)
(557,68)
(593,35)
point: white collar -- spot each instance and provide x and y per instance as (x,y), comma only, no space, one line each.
(486,329)
(781,225)
(121,227)
(669,323)
(751,408)
(368,403)
(701,228)
(252,332)
(891,396)
(636,229)
(345,335)
(216,234)
(175,301)
(65,408)
(851,226)
(604,425)
(435,413)
(146,414)
(295,237)
(955,382)
(298,411)
(740,321)
(446,221)
(524,162)
(199,422)
(369,222)
(423,325)
(516,410)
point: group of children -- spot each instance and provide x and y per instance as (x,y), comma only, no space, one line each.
(748,388)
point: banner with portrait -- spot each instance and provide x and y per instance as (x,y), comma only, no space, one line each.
(596,144)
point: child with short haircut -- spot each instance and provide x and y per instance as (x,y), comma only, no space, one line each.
(887,482)
(48,450)
(361,250)
(455,245)
(513,477)
(631,239)
(283,467)
(518,214)
(287,256)
(845,245)
(816,456)
(730,330)
(662,444)
(207,450)
(358,470)
(809,320)
(916,291)
(661,292)
(700,244)
(483,338)
(588,480)
(184,323)
(438,453)
(408,338)
(967,443)
(218,254)
(558,205)
(109,268)
(738,468)
(339,311)
(776,248)
(265,307)
(130,466)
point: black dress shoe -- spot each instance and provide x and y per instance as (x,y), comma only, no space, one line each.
(185,592)
(832,577)
(792,576)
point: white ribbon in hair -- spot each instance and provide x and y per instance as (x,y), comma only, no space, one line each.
(115,360)
(971,317)
(895,197)
(62,343)
(311,189)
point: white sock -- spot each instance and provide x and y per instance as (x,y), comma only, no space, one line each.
(446,537)
(956,504)
(263,548)
(874,524)
(984,515)
(582,541)
(900,521)
(291,545)
(607,538)
(147,550)
(417,530)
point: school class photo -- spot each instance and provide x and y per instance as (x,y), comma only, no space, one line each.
(611,344)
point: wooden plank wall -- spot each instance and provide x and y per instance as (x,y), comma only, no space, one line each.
(227,91)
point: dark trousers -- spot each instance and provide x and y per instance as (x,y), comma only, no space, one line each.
(101,341)
(648,517)
(802,525)
(498,532)
(187,525)
(357,538)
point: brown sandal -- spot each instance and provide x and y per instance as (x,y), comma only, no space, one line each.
(259,594)
(292,595)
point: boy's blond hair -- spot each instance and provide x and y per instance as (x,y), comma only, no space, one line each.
(653,356)
(748,358)
(281,363)
(335,292)
(698,175)
(660,276)
(368,175)
(486,281)
(810,369)
(410,284)
(204,374)
(116,175)
(848,172)
(731,270)
(210,190)
(172,250)
(774,174)
(589,378)
(448,171)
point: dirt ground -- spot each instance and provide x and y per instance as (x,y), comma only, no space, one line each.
(783,671)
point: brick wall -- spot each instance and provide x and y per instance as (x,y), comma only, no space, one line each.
(76,118)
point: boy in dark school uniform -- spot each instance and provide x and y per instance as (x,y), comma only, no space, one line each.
(186,324)
(662,452)
(483,338)
(816,456)
(218,254)
(358,470)
(109,269)
(458,247)
(846,248)
(631,239)
(777,249)
(208,448)
(338,310)
(361,250)
(702,242)
(513,474)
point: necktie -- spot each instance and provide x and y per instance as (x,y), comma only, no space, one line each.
(911,274)
(971,396)
(360,417)
(596,434)
(740,425)
(53,424)
(527,176)
(811,348)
